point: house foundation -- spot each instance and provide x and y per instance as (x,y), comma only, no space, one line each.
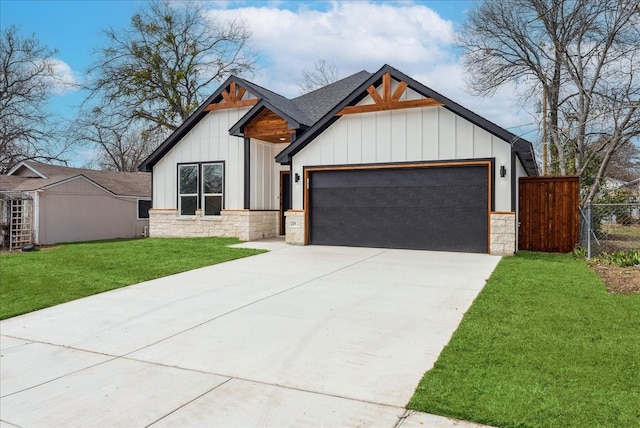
(252,225)
(243,224)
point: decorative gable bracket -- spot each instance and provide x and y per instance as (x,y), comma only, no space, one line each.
(231,97)
(387,100)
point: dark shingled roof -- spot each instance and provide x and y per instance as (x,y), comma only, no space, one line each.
(119,183)
(282,104)
(303,111)
(318,103)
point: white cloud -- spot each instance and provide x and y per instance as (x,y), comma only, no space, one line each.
(356,36)
(65,80)
(351,35)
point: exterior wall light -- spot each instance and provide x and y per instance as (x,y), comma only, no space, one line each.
(503,171)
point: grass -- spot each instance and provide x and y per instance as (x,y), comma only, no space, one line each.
(36,280)
(617,237)
(631,231)
(544,345)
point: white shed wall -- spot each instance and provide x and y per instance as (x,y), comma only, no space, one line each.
(78,210)
(209,140)
(419,134)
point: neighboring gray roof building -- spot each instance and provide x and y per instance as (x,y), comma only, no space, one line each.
(47,204)
(32,175)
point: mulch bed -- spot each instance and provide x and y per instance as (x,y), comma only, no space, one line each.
(619,280)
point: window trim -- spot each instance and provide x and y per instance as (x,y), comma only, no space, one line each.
(200,186)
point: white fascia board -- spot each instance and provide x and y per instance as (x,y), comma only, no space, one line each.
(26,165)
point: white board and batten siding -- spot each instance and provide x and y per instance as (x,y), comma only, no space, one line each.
(265,175)
(408,135)
(208,141)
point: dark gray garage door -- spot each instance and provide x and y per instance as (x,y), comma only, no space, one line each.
(432,208)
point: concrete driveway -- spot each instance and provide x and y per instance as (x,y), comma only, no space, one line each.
(299,336)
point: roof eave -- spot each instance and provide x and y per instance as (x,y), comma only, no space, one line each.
(526,156)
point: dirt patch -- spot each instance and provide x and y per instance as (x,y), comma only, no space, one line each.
(619,280)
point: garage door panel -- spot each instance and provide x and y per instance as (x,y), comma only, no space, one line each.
(397,177)
(438,208)
(399,228)
(430,196)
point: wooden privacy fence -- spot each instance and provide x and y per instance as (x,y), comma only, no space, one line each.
(548,214)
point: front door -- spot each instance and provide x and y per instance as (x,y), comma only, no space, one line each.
(285,198)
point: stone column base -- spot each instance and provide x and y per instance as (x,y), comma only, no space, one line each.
(503,234)
(296,227)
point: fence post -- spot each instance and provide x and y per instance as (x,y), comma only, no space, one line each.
(589,229)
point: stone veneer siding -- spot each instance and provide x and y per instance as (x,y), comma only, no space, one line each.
(503,234)
(295,227)
(243,224)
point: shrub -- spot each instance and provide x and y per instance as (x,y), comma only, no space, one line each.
(621,258)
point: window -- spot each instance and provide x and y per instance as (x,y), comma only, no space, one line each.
(200,186)
(144,206)
(188,189)
(212,188)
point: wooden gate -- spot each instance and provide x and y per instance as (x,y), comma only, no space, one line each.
(548,214)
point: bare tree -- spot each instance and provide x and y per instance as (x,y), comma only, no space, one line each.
(118,149)
(625,163)
(581,54)
(151,76)
(323,74)
(27,78)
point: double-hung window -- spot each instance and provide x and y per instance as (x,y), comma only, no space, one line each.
(200,186)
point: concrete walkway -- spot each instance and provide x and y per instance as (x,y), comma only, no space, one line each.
(299,336)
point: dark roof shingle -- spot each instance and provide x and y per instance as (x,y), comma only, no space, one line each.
(318,103)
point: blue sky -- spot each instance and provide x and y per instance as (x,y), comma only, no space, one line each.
(414,36)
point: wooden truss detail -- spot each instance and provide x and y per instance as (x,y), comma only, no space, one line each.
(268,126)
(231,97)
(387,100)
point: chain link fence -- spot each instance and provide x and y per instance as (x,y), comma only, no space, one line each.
(606,228)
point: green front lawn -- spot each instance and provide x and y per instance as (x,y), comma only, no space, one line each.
(36,280)
(544,345)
